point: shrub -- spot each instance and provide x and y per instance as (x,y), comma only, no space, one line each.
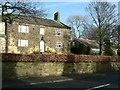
(118,52)
(75,50)
(81,49)
(88,51)
(108,48)
(109,52)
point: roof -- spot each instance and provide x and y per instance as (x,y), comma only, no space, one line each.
(41,21)
(87,42)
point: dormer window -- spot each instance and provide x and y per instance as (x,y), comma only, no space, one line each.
(23,28)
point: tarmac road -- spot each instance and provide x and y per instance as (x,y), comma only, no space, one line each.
(96,81)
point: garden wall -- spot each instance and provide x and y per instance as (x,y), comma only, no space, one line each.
(35,65)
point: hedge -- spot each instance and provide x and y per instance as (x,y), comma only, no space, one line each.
(57,58)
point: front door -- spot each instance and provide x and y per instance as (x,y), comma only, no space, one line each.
(42,46)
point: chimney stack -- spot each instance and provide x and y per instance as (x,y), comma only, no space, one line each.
(57,16)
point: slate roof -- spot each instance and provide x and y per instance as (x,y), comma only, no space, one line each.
(41,21)
(86,42)
(90,43)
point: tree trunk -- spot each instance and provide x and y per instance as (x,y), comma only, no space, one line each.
(100,45)
(100,35)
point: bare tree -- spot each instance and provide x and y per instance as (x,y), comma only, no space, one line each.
(104,19)
(12,10)
(90,33)
(77,25)
(24,8)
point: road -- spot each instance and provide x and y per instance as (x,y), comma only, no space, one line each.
(81,82)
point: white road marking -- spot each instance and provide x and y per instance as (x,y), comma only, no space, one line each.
(98,87)
(51,81)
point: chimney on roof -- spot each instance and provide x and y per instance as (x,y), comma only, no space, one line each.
(57,16)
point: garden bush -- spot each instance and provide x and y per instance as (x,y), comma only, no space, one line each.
(108,48)
(81,49)
(75,50)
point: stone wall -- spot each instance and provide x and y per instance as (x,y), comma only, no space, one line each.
(35,65)
(15,70)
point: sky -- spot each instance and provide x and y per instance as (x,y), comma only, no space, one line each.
(66,9)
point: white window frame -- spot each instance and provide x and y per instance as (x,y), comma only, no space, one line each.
(42,31)
(22,43)
(20,28)
(59,45)
(2,28)
(58,32)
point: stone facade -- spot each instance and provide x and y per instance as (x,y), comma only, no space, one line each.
(34,37)
(2,37)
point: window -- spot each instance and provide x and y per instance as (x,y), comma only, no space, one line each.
(42,31)
(2,28)
(23,43)
(23,28)
(58,32)
(59,45)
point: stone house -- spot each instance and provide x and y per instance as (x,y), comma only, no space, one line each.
(33,34)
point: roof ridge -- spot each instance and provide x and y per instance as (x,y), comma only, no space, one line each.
(42,21)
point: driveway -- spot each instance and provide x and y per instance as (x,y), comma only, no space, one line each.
(84,82)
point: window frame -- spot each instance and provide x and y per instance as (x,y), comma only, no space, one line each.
(59,45)
(42,32)
(58,32)
(22,43)
(23,31)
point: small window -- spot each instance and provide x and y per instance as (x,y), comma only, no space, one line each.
(2,28)
(59,45)
(42,31)
(58,32)
(23,28)
(23,43)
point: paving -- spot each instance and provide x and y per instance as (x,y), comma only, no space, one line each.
(95,81)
